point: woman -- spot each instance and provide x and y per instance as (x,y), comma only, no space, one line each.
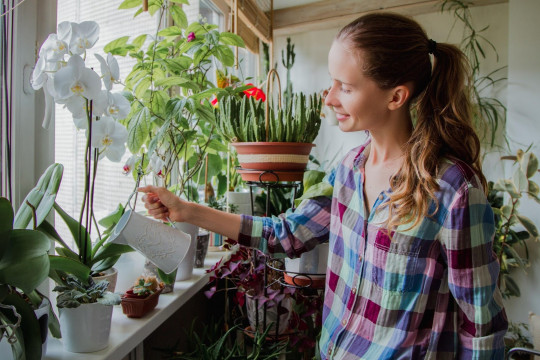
(411,272)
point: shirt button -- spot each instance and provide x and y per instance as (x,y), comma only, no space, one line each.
(354,291)
(359,257)
(343,322)
(381,196)
(329,350)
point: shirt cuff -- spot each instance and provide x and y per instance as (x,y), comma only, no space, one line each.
(251,229)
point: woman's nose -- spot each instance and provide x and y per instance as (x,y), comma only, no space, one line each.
(330,99)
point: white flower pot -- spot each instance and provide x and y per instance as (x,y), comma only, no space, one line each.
(130,266)
(185,268)
(110,275)
(86,328)
(309,269)
(242,200)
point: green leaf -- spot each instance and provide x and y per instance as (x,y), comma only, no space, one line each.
(42,197)
(320,189)
(130,4)
(24,262)
(171,31)
(69,266)
(79,233)
(217,145)
(112,218)
(139,41)
(50,231)
(511,286)
(533,188)
(185,2)
(529,164)
(520,180)
(228,38)
(110,250)
(30,328)
(142,86)
(138,129)
(224,54)
(179,16)
(171,81)
(529,225)
(312,177)
(116,45)
(6,216)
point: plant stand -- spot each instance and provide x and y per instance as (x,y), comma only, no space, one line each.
(311,287)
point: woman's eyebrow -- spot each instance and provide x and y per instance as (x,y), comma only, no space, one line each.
(340,81)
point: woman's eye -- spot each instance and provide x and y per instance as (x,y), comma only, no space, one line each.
(346,91)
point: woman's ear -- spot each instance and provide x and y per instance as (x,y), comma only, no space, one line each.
(400,96)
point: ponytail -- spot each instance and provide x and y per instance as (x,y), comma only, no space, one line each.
(443,127)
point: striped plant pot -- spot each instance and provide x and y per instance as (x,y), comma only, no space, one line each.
(287,160)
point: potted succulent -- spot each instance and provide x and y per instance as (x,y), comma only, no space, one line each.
(24,264)
(142,297)
(273,142)
(88,303)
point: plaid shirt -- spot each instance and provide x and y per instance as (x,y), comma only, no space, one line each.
(430,292)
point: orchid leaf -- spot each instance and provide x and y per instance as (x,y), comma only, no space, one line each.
(80,235)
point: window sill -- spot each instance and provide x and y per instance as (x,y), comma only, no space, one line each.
(127,334)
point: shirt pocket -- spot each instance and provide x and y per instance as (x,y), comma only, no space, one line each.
(394,264)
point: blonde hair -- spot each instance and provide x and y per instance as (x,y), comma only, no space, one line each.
(396,51)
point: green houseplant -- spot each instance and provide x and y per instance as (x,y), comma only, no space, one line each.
(273,142)
(512,228)
(171,121)
(24,264)
(86,258)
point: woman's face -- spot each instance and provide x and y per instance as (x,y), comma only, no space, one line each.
(358,101)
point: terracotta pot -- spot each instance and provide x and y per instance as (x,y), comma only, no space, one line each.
(136,306)
(275,156)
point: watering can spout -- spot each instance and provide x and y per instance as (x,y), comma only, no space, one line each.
(116,236)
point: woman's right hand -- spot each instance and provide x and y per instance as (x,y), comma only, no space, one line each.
(163,204)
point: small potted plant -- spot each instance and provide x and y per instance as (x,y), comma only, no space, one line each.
(273,142)
(142,297)
(88,303)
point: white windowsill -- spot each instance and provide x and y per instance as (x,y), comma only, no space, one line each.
(127,333)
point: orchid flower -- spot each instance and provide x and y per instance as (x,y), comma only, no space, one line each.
(77,105)
(117,106)
(156,164)
(128,166)
(110,71)
(109,137)
(83,36)
(76,80)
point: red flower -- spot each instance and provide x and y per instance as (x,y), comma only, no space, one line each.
(191,37)
(257,93)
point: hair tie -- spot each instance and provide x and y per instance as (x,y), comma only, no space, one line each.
(432,46)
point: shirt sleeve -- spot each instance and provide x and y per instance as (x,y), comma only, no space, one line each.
(292,233)
(473,270)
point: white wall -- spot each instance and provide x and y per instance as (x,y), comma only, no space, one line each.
(513,29)
(524,129)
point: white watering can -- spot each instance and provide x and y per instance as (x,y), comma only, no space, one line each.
(163,245)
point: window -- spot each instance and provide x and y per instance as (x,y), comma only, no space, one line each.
(112,186)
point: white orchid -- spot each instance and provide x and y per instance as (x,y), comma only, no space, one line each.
(78,106)
(83,36)
(128,166)
(117,106)
(110,71)
(109,137)
(156,164)
(76,80)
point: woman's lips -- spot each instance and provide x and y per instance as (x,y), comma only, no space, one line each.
(341,117)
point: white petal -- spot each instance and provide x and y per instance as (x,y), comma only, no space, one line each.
(119,106)
(49,108)
(39,77)
(115,152)
(81,123)
(90,29)
(64,31)
(92,84)
(63,81)
(113,67)
(77,106)
(100,103)
(119,134)
(77,63)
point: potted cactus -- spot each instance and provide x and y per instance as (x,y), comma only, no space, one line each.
(142,297)
(273,142)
